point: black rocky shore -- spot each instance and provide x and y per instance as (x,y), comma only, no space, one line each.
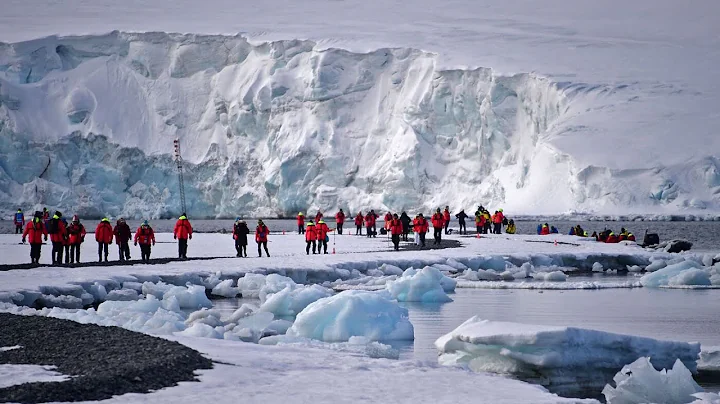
(101,361)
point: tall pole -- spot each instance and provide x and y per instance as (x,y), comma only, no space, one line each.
(181,181)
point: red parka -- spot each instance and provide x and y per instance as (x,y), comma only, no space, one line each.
(300,219)
(34,231)
(183,229)
(420,225)
(76,233)
(340,218)
(359,219)
(437,220)
(612,238)
(122,232)
(396,227)
(446,216)
(145,235)
(61,234)
(104,232)
(545,231)
(261,233)
(321,230)
(310,234)
(370,220)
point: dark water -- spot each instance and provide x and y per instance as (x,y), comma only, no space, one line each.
(705,236)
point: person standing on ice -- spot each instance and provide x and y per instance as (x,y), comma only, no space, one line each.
(66,241)
(240,234)
(437,223)
(123,234)
(58,233)
(183,231)
(19,220)
(46,216)
(405,220)
(146,237)
(461,221)
(370,220)
(34,232)
(310,238)
(261,237)
(318,216)
(396,229)
(359,223)
(387,219)
(340,221)
(321,231)
(301,223)
(487,222)
(446,218)
(76,236)
(420,226)
(103,236)
(497,222)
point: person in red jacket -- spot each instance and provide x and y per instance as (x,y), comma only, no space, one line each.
(146,237)
(310,238)
(545,229)
(58,234)
(322,230)
(318,216)
(123,234)
(446,218)
(396,230)
(183,231)
(261,237)
(420,226)
(437,223)
(497,219)
(301,223)
(240,235)
(34,232)
(76,236)
(612,238)
(358,224)
(370,222)
(387,219)
(340,221)
(103,236)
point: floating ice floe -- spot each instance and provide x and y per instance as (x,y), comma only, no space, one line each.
(639,383)
(353,313)
(283,297)
(426,285)
(361,345)
(687,273)
(567,360)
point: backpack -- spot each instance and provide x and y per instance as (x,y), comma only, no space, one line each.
(53,227)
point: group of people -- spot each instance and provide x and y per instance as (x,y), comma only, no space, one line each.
(608,236)
(240,235)
(67,238)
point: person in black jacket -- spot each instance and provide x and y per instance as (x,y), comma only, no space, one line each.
(240,234)
(461,220)
(123,234)
(405,219)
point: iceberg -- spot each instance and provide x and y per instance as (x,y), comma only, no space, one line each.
(425,285)
(566,360)
(685,273)
(639,383)
(353,313)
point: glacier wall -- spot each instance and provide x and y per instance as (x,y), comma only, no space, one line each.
(87,125)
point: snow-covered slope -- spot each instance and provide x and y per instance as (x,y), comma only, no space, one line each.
(275,127)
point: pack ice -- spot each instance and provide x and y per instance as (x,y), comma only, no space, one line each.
(88,124)
(566,360)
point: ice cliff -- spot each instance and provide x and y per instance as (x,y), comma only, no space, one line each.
(87,125)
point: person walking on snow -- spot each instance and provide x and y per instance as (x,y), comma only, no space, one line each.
(437,223)
(461,221)
(340,221)
(387,219)
(58,233)
(396,229)
(420,226)
(446,218)
(123,234)
(19,220)
(240,234)
(310,238)
(301,223)
(103,236)
(370,221)
(405,220)
(322,230)
(76,236)
(261,237)
(359,223)
(145,236)
(34,232)
(183,231)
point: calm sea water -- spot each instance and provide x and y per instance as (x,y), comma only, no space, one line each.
(705,236)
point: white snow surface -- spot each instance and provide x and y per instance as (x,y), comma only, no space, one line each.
(570,359)
(11,374)
(571,106)
(639,383)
